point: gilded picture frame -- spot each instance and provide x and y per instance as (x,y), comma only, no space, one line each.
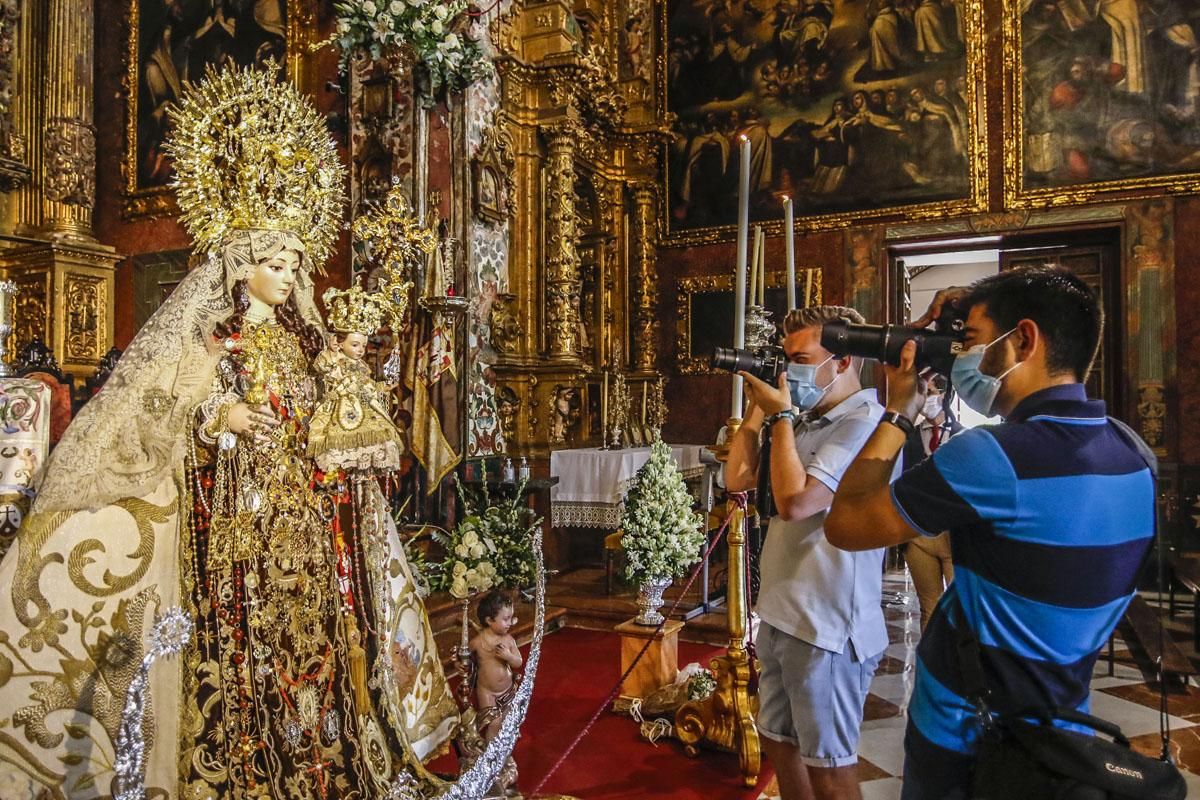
(704,313)
(837,132)
(1095,104)
(171,44)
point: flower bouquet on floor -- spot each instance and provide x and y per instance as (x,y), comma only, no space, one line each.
(662,534)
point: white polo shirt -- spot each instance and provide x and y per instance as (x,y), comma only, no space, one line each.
(809,588)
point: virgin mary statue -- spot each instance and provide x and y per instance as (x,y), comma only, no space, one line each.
(184,482)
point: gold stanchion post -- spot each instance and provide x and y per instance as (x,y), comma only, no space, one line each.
(725,718)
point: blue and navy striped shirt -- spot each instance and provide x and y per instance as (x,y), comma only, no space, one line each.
(1050,516)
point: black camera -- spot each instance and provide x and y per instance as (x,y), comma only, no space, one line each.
(764,363)
(937,346)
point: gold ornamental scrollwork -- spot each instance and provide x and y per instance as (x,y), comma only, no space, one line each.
(563,282)
(644,271)
(69,147)
(810,291)
(85,309)
(1152,413)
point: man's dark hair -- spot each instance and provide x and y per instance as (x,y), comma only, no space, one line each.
(492,604)
(1065,309)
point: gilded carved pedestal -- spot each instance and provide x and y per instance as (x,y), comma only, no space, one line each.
(65,296)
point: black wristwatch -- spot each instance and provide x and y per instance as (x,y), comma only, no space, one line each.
(900,421)
(787,414)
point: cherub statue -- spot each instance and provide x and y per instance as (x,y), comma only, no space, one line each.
(352,428)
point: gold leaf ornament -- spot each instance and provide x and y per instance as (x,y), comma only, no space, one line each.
(252,152)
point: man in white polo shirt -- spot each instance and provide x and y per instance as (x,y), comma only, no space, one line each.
(822,633)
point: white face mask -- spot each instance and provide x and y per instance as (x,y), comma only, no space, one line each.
(932,407)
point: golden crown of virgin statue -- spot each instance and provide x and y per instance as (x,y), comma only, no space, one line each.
(356,311)
(252,152)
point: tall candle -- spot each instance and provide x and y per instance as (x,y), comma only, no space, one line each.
(755,264)
(645,388)
(743,235)
(604,410)
(762,270)
(789,233)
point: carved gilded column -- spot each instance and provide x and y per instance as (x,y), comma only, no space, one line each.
(645,288)
(563,282)
(68,168)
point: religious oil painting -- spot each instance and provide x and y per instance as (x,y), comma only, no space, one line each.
(1107,98)
(853,108)
(173,44)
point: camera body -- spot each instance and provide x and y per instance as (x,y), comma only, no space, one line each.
(764,363)
(937,346)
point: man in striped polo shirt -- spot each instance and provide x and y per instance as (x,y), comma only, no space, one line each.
(1050,515)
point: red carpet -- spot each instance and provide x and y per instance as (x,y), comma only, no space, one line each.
(613,762)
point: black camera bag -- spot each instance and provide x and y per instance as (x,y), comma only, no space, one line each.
(1034,759)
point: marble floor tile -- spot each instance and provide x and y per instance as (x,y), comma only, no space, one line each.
(883,789)
(1133,719)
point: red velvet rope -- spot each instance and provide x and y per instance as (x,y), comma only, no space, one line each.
(739,500)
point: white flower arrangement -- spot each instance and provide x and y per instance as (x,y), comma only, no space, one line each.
(490,548)
(662,535)
(436,32)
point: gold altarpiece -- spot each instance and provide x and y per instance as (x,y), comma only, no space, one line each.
(48,180)
(582,277)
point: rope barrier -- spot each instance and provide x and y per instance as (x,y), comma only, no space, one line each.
(739,500)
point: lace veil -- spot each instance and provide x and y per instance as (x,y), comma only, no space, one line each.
(135,432)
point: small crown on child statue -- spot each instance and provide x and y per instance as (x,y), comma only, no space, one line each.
(354,310)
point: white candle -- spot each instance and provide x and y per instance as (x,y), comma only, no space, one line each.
(762,269)
(755,264)
(604,410)
(645,388)
(789,233)
(743,235)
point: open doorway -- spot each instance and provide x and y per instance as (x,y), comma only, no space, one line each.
(919,269)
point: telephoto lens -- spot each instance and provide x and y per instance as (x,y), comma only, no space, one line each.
(935,349)
(764,363)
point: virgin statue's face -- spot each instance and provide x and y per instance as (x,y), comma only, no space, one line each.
(274,278)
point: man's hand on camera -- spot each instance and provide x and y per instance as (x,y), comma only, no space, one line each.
(905,388)
(951,295)
(771,399)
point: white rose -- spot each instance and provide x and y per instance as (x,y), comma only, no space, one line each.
(476,551)
(470,538)
(461,550)
(343,26)
(440,12)
(460,569)
(418,26)
(369,8)
(397,7)
(459,588)
(437,27)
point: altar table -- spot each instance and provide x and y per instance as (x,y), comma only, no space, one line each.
(593,482)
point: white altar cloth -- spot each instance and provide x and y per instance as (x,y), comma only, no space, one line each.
(592,483)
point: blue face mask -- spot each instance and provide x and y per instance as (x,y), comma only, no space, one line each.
(976,389)
(802,382)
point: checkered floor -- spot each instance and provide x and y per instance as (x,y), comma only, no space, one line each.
(1125,698)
